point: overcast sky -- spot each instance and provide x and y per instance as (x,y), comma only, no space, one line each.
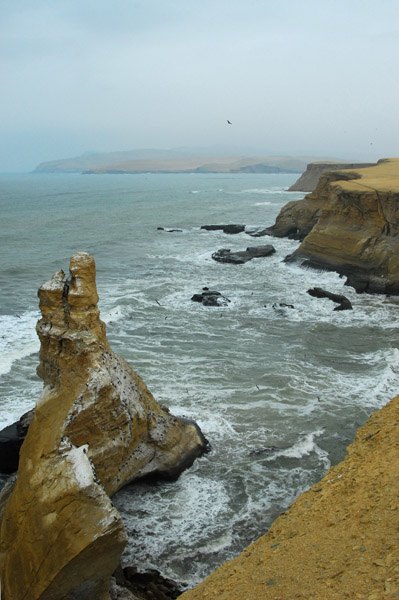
(308,77)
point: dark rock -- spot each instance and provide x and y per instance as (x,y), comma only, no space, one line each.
(148,585)
(342,301)
(210,298)
(225,255)
(232,229)
(11,439)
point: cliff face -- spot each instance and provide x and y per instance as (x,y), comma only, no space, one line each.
(96,427)
(337,540)
(310,178)
(297,218)
(356,233)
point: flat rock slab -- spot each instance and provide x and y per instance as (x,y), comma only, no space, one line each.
(233,228)
(225,255)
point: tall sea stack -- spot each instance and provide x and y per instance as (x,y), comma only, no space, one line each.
(96,428)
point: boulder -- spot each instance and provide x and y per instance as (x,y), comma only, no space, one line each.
(225,255)
(342,301)
(96,427)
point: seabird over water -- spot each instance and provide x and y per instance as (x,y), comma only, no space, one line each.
(229,122)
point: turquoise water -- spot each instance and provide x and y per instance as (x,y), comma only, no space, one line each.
(254,376)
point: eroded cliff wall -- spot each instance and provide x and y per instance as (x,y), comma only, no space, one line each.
(357,227)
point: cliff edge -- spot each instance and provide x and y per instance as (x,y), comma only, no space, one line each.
(337,540)
(310,178)
(96,427)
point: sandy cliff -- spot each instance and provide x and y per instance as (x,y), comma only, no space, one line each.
(350,224)
(96,427)
(337,540)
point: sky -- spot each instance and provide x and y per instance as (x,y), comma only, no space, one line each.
(309,77)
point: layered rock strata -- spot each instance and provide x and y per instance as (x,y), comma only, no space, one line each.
(96,427)
(337,540)
(310,178)
(356,233)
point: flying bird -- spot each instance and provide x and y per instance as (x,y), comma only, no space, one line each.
(229,122)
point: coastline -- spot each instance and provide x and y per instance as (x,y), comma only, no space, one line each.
(208,240)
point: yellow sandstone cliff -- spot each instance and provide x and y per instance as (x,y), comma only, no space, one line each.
(96,427)
(337,540)
(350,224)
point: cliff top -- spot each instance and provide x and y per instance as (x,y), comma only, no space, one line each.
(384,176)
(338,540)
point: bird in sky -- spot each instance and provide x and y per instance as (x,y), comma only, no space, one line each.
(229,122)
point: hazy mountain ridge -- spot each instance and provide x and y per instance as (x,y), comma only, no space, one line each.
(178,160)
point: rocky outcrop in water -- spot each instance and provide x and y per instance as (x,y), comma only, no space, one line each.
(225,255)
(310,178)
(354,227)
(210,298)
(337,540)
(96,427)
(233,228)
(342,301)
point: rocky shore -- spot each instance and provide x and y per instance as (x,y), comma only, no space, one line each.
(96,427)
(337,540)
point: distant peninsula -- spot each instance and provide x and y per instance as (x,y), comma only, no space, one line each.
(175,161)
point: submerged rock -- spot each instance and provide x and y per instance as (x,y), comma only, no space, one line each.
(225,255)
(96,428)
(257,232)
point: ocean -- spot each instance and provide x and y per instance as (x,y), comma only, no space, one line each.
(279,392)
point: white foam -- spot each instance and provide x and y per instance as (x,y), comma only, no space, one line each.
(304,446)
(18,338)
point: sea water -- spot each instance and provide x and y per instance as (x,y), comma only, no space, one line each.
(278,391)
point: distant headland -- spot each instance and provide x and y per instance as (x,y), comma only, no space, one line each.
(177,161)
